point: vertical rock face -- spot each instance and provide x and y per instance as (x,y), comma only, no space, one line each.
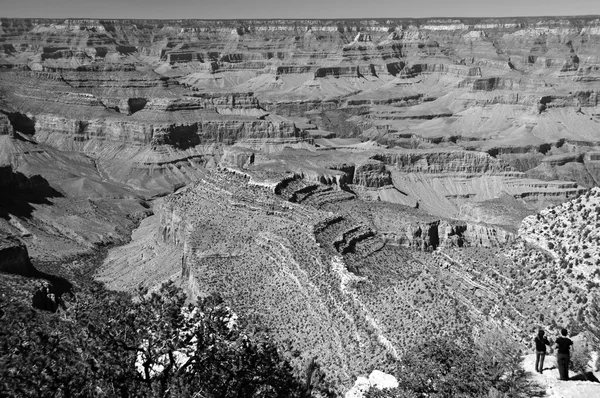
(372,175)
(14,258)
(6,127)
(174,227)
(431,235)
(445,161)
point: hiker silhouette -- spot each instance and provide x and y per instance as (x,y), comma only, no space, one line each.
(540,350)
(563,357)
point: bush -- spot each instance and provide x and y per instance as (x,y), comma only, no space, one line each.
(457,366)
(107,344)
(580,357)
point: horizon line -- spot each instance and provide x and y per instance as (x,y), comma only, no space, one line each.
(307,18)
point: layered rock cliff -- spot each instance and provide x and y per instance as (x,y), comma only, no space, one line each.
(407,82)
(439,114)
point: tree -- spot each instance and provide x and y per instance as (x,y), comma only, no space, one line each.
(107,344)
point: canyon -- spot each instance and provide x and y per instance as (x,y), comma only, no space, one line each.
(347,183)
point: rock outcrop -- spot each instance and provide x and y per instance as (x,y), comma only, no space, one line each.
(431,235)
(372,174)
(376,380)
(14,258)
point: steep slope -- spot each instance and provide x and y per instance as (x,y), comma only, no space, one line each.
(570,232)
(58,202)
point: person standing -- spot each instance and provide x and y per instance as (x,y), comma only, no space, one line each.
(563,357)
(540,350)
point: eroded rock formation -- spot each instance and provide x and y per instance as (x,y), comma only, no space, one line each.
(14,258)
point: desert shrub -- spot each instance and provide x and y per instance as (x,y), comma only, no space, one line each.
(580,357)
(442,367)
(457,366)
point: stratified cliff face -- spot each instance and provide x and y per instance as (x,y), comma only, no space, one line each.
(504,86)
(444,234)
(446,161)
(444,114)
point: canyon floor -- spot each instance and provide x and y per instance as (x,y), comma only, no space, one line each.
(352,185)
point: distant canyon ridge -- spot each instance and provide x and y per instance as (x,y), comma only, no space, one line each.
(482,121)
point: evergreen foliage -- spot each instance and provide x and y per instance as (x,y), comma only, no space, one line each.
(108,345)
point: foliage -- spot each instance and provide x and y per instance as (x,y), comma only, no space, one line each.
(458,366)
(93,347)
(580,357)
(443,367)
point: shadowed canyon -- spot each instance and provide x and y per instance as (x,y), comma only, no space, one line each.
(352,185)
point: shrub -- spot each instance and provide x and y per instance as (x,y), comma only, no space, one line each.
(457,366)
(580,357)
(107,344)
(442,367)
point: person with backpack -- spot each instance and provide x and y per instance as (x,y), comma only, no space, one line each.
(563,343)
(540,350)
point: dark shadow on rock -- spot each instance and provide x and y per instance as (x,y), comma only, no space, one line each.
(49,296)
(45,299)
(21,122)
(14,258)
(18,192)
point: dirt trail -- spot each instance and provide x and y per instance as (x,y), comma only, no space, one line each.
(556,388)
